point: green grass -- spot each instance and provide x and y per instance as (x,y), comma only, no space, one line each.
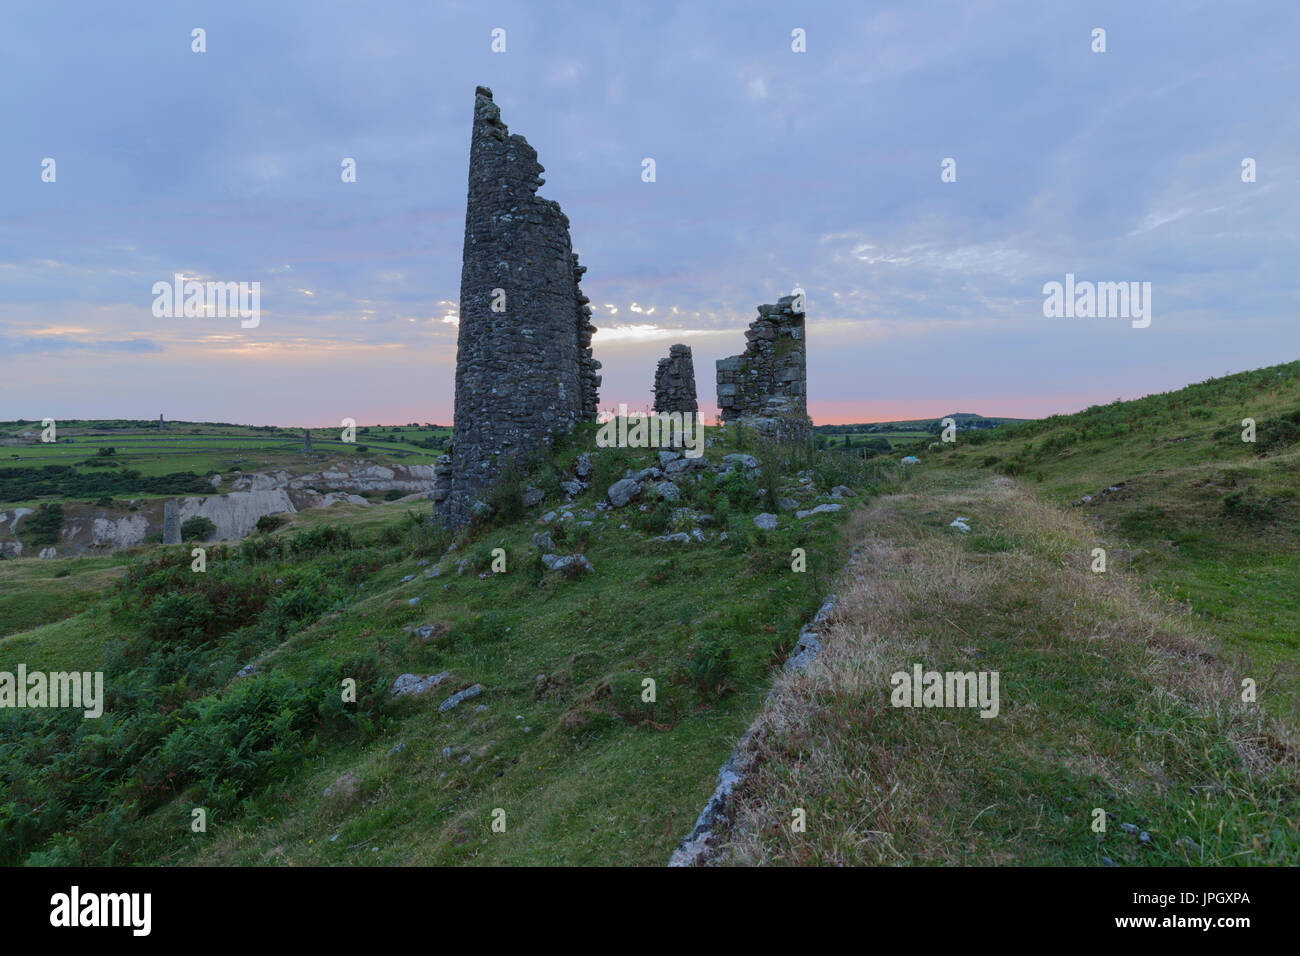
(1110,699)
(1120,690)
(33,593)
(585,771)
(1209,520)
(204,448)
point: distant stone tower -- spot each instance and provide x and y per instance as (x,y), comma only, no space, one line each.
(675,382)
(306,441)
(160,421)
(766,387)
(524,370)
(171,523)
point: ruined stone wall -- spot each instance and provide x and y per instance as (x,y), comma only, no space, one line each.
(524,368)
(766,387)
(675,382)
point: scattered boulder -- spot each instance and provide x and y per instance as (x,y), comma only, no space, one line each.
(960,524)
(668,491)
(842,491)
(787,504)
(766,521)
(623,491)
(416,683)
(748,462)
(556,562)
(533,497)
(426,632)
(582,466)
(679,466)
(820,509)
(542,542)
(459,696)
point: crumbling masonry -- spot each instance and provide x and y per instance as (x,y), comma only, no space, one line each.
(675,382)
(524,370)
(766,388)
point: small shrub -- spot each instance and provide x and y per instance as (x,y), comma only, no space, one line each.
(655,520)
(506,497)
(625,690)
(268,523)
(42,526)
(709,665)
(608,467)
(197,528)
(1249,505)
(535,569)
(481,628)
(662,571)
(739,490)
(1279,432)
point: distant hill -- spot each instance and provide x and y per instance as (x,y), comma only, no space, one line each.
(965,421)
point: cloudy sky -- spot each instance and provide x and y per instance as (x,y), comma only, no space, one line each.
(774,168)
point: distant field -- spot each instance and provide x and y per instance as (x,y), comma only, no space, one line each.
(204,449)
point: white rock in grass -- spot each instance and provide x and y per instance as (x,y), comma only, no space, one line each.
(459,696)
(820,509)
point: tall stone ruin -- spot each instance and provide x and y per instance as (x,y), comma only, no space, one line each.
(524,369)
(675,382)
(171,523)
(766,387)
(306,440)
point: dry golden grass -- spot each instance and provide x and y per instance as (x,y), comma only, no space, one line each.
(1107,701)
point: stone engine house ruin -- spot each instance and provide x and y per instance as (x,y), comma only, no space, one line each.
(675,382)
(766,387)
(524,369)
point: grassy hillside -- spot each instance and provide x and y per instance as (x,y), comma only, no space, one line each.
(1111,703)
(1121,691)
(559,738)
(1211,521)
